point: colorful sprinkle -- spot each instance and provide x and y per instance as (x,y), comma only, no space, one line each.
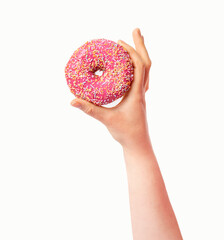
(106,56)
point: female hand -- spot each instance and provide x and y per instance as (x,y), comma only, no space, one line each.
(127,121)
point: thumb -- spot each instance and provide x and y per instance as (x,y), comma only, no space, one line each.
(97,112)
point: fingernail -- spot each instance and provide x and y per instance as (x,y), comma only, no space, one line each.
(139,31)
(121,42)
(76,104)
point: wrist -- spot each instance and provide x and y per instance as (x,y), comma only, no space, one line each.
(140,149)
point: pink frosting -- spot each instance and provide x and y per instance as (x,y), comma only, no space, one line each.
(106,56)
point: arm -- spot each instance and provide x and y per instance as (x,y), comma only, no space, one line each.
(151,212)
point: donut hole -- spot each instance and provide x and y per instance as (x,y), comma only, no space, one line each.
(99,72)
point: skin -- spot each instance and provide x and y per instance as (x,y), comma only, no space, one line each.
(152,215)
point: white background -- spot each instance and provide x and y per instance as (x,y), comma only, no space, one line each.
(62,176)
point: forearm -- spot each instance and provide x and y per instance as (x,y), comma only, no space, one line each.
(151,212)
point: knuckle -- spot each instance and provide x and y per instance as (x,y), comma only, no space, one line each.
(147,88)
(148,65)
(89,110)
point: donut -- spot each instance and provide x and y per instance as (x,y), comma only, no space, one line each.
(97,55)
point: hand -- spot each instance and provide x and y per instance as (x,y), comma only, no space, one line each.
(127,121)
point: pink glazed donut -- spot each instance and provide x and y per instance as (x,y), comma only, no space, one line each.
(106,56)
